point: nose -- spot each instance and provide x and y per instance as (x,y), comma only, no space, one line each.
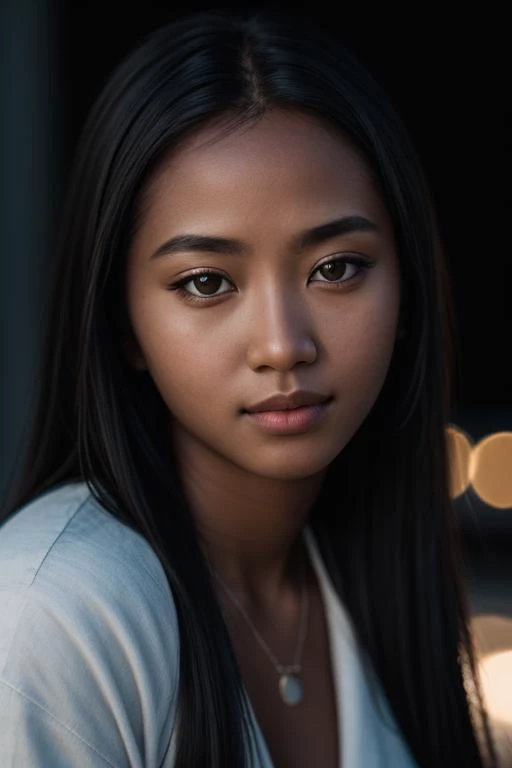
(281,334)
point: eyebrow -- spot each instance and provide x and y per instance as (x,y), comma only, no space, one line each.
(305,239)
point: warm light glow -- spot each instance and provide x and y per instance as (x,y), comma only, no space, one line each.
(496,679)
(459,451)
(490,469)
(492,635)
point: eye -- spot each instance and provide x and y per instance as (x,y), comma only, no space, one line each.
(203,285)
(334,270)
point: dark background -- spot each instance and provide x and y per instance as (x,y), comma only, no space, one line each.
(443,73)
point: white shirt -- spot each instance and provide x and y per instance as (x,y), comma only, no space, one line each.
(89,649)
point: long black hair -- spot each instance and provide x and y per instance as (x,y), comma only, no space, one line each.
(387,534)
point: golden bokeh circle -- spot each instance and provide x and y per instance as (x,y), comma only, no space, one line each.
(490,469)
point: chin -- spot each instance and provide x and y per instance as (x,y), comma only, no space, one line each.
(291,470)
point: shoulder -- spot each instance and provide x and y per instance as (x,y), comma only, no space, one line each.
(89,634)
(66,528)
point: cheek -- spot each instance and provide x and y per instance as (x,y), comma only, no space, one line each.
(359,349)
(187,364)
(365,331)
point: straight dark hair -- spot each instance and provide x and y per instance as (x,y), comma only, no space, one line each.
(387,532)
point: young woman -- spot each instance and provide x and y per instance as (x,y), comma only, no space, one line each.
(233,542)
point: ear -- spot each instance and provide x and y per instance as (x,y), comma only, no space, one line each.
(133,353)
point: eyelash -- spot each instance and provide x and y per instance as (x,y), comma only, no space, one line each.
(179,286)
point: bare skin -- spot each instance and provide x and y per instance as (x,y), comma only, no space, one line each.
(303,736)
(274,318)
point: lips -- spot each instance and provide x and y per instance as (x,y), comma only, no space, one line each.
(281,402)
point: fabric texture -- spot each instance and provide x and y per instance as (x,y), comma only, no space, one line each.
(89,649)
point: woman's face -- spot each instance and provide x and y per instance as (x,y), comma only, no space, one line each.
(269,302)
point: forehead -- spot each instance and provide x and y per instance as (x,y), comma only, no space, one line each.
(288,165)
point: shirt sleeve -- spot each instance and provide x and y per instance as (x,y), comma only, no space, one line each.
(31,736)
(90,676)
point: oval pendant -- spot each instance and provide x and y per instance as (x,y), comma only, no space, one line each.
(291,689)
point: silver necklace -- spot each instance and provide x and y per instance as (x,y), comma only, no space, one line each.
(291,686)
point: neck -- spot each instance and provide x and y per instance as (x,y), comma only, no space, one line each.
(250,526)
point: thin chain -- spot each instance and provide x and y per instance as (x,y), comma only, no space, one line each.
(296,666)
